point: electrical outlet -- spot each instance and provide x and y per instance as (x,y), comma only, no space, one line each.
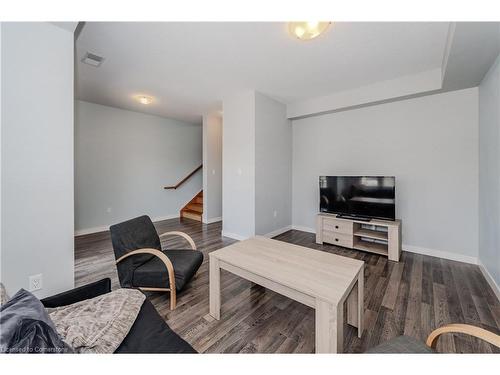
(275,213)
(213,171)
(108,210)
(35,282)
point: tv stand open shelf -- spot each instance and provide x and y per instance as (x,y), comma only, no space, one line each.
(381,237)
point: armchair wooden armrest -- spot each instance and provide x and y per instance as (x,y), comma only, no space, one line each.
(182,234)
(480,333)
(170,268)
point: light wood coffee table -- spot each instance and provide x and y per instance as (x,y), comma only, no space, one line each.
(315,278)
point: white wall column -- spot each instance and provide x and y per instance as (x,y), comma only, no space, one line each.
(37,156)
(212,168)
(238,166)
(489,176)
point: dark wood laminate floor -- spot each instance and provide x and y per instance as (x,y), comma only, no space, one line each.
(411,297)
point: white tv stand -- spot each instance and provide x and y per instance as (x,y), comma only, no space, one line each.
(376,236)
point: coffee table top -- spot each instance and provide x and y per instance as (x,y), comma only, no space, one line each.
(312,272)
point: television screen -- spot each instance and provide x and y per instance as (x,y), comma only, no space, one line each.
(358,196)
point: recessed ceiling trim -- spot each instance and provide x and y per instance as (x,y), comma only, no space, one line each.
(447,49)
(415,84)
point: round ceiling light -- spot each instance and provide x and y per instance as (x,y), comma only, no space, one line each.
(144,99)
(307,30)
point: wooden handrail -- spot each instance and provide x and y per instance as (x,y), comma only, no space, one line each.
(184,179)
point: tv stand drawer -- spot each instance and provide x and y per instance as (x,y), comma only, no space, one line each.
(339,239)
(337,225)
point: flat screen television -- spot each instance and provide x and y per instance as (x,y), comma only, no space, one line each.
(358,197)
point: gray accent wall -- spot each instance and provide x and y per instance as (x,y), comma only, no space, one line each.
(123,159)
(256,166)
(489,172)
(37,156)
(430,144)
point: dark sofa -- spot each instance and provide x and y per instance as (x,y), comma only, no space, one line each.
(149,334)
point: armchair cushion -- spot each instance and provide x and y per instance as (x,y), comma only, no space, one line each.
(401,344)
(154,274)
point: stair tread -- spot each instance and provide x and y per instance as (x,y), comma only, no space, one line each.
(193,215)
(195,206)
(194,209)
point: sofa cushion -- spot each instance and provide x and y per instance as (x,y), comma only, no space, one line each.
(402,344)
(154,273)
(27,328)
(81,293)
(150,334)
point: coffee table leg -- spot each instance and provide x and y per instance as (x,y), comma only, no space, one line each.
(329,327)
(361,307)
(214,288)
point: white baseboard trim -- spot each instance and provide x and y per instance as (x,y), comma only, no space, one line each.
(168,217)
(277,232)
(440,254)
(82,232)
(303,229)
(212,220)
(491,281)
(234,236)
(268,235)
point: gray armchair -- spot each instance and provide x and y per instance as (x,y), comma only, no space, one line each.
(142,263)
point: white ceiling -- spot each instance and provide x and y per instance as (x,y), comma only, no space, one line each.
(190,67)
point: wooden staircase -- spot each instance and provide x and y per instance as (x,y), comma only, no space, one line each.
(194,209)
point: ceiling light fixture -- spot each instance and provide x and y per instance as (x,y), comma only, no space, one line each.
(144,99)
(307,30)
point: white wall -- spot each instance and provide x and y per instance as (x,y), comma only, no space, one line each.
(123,159)
(37,156)
(273,166)
(430,144)
(212,168)
(238,165)
(489,172)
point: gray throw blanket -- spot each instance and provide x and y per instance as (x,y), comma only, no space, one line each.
(100,324)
